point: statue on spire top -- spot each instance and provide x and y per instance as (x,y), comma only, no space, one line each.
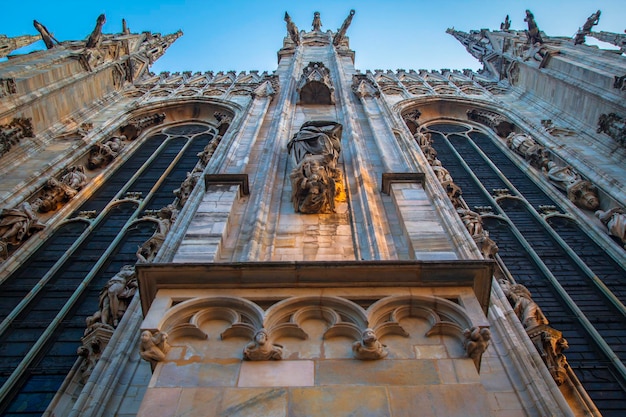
(317,22)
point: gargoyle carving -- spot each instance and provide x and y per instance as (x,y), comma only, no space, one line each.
(579,191)
(101,154)
(476,343)
(369,347)
(153,347)
(53,196)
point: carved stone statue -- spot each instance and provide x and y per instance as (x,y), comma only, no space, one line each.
(317,22)
(153,347)
(314,151)
(292,29)
(262,349)
(341,33)
(46,36)
(476,342)
(148,251)
(472,221)
(526,146)
(313,188)
(209,149)
(53,195)
(115,297)
(533,31)
(75,177)
(581,192)
(186,187)
(17,225)
(11,133)
(523,305)
(315,85)
(369,347)
(102,154)
(615,221)
(95,38)
(551,344)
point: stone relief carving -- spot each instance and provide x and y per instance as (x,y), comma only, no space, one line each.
(476,343)
(493,120)
(53,195)
(101,154)
(614,126)
(292,30)
(579,191)
(12,132)
(531,151)
(165,218)
(186,187)
(74,177)
(314,151)
(153,347)
(615,222)
(341,32)
(592,20)
(114,299)
(369,347)
(315,85)
(16,226)
(209,149)
(262,349)
(133,129)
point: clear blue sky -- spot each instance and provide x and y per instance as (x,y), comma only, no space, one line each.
(245,35)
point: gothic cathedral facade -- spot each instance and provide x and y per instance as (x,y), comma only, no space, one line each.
(316,241)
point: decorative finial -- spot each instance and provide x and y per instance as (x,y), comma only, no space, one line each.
(317,22)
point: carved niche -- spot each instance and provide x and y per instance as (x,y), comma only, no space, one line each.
(315,178)
(315,85)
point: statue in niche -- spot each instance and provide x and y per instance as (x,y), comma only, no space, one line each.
(314,151)
(17,225)
(341,33)
(148,251)
(523,305)
(476,342)
(580,192)
(75,177)
(615,222)
(101,154)
(115,298)
(317,22)
(592,20)
(262,349)
(96,35)
(369,347)
(46,36)
(53,195)
(292,29)
(533,31)
(153,347)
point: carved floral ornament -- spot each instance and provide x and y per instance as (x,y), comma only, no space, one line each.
(342,318)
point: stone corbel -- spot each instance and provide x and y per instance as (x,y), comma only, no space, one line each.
(228,179)
(476,343)
(153,347)
(614,126)
(389,178)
